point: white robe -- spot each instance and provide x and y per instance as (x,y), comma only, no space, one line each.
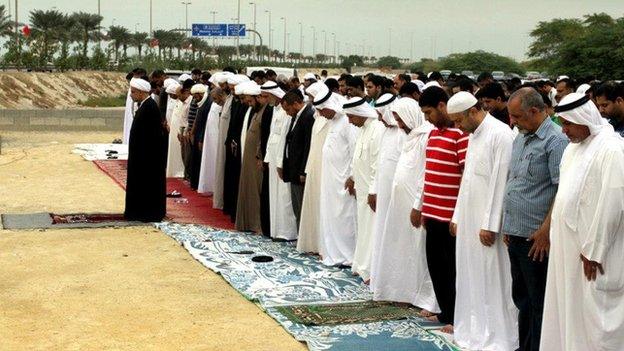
(578,314)
(364,168)
(207,171)
(175,166)
(224,124)
(485,316)
(282,216)
(131,108)
(389,153)
(403,274)
(337,206)
(309,239)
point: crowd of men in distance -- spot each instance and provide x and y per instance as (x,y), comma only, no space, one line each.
(496,207)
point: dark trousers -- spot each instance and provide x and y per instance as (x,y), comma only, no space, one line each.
(187,150)
(527,289)
(296,195)
(265,203)
(440,249)
(195,166)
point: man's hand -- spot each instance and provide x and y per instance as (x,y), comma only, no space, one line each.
(180,138)
(280,173)
(372,202)
(302,179)
(260,165)
(416,218)
(540,247)
(350,186)
(591,268)
(453,229)
(487,237)
(506,239)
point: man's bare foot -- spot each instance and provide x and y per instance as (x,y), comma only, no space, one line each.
(425,314)
(367,282)
(447,329)
(355,274)
(433,318)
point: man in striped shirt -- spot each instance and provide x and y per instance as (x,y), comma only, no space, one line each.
(434,206)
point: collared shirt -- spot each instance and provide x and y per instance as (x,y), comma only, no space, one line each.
(533,179)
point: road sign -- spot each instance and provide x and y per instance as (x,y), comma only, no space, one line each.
(236,30)
(209,30)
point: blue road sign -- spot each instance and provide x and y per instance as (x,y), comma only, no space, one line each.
(209,30)
(235,30)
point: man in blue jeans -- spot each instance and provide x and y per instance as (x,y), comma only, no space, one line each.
(529,193)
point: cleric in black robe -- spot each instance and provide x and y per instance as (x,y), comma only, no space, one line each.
(233,157)
(146,182)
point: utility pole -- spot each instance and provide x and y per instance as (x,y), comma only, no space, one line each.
(270,33)
(300,38)
(99,12)
(325,44)
(254,28)
(284,18)
(238,32)
(17,38)
(335,57)
(389,41)
(186,27)
(313,42)
(214,21)
(151,30)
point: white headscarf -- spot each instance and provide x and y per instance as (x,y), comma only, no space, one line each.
(183,78)
(412,116)
(357,106)
(386,108)
(235,79)
(172,88)
(200,89)
(583,88)
(168,82)
(326,99)
(272,88)
(430,84)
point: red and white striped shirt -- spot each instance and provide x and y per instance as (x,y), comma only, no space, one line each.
(446,152)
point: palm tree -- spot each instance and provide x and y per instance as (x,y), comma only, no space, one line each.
(195,44)
(87,25)
(138,40)
(119,35)
(161,36)
(47,26)
(6,25)
(178,40)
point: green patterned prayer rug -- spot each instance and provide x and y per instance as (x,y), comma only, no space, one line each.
(348,313)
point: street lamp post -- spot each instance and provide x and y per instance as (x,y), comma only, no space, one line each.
(238,32)
(284,18)
(313,42)
(389,41)
(214,21)
(300,38)
(186,3)
(151,31)
(254,27)
(335,57)
(270,33)
(325,43)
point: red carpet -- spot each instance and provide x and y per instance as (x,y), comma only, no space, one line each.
(189,208)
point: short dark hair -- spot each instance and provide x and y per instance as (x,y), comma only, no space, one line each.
(483,76)
(157,73)
(432,96)
(196,71)
(270,72)
(344,77)
(568,83)
(324,72)
(409,88)
(435,75)
(188,84)
(229,69)
(206,75)
(405,77)
(610,91)
(332,84)
(492,91)
(377,81)
(139,71)
(465,84)
(388,84)
(293,96)
(356,82)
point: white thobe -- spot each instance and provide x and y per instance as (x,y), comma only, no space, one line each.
(131,108)
(364,168)
(403,275)
(578,314)
(485,316)
(309,226)
(337,206)
(282,216)
(224,124)
(207,170)
(389,153)
(175,165)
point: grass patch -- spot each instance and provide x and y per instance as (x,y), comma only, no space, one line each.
(105,101)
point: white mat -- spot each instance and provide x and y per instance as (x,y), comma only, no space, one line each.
(96,152)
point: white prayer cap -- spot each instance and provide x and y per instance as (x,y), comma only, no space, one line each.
(140,84)
(168,82)
(432,83)
(420,84)
(314,88)
(579,109)
(358,106)
(309,76)
(213,78)
(271,87)
(172,88)
(409,112)
(235,79)
(184,77)
(384,106)
(199,89)
(583,88)
(460,102)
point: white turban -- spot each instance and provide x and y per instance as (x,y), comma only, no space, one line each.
(358,106)
(460,102)
(384,106)
(583,88)
(222,77)
(430,84)
(140,84)
(272,88)
(172,88)
(184,77)
(309,76)
(235,79)
(168,82)
(199,89)
(251,88)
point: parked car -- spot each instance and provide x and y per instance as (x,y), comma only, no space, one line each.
(469,74)
(498,75)
(445,73)
(532,75)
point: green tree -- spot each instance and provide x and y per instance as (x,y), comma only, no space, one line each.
(119,37)
(351,61)
(87,26)
(138,40)
(389,61)
(47,29)
(480,61)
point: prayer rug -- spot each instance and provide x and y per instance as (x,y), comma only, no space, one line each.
(92,152)
(294,279)
(189,207)
(45,220)
(348,313)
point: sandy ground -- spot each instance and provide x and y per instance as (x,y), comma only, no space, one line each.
(106,289)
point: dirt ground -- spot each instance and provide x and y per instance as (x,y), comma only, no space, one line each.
(106,289)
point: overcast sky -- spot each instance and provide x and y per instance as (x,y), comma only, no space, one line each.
(405,28)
